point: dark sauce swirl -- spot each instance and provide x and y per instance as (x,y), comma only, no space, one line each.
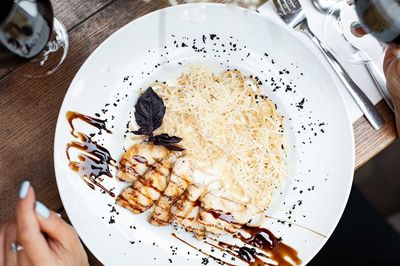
(246,254)
(96,122)
(260,239)
(95,160)
(262,248)
(265,240)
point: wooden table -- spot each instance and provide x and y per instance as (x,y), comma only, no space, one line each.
(29,108)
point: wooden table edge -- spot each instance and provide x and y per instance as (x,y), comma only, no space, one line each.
(370,142)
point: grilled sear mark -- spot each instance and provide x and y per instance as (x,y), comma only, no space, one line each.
(186,210)
(145,190)
(129,200)
(180,179)
(138,159)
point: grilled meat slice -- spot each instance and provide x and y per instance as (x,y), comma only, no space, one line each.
(136,161)
(220,213)
(180,179)
(186,210)
(145,190)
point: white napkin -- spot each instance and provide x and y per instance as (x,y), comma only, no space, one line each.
(358,73)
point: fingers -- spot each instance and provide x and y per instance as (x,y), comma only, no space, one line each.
(2,246)
(61,236)
(391,68)
(392,72)
(57,229)
(391,56)
(393,78)
(10,236)
(29,233)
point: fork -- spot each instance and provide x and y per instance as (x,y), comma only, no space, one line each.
(293,14)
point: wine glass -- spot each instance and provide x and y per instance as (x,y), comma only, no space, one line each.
(341,27)
(32,42)
(380,19)
(368,27)
(346,29)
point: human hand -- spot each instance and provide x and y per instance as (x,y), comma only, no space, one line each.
(8,235)
(391,67)
(45,237)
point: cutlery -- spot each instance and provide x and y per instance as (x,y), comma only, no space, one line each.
(293,15)
(330,7)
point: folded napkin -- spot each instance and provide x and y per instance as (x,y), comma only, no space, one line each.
(358,72)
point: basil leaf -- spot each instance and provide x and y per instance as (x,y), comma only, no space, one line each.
(174,148)
(141,131)
(164,138)
(149,112)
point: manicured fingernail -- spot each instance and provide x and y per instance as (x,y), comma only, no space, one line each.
(23,190)
(42,210)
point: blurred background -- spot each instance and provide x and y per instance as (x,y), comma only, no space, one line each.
(379,181)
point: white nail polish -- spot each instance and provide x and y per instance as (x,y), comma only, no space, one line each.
(23,190)
(42,210)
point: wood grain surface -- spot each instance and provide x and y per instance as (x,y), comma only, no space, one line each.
(29,108)
(368,141)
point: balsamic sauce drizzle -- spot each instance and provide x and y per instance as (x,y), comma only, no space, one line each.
(260,238)
(95,160)
(97,123)
(266,241)
(274,251)
(261,248)
(245,254)
(202,252)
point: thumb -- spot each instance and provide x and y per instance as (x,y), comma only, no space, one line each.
(55,227)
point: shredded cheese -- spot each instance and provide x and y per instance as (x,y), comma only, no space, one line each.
(228,124)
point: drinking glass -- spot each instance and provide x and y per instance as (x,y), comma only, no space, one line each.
(32,42)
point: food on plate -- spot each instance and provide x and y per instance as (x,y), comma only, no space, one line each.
(180,179)
(228,125)
(220,213)
(137,160)
(207,156)
(148,188)
(149,112)
(186,209)
(224,130)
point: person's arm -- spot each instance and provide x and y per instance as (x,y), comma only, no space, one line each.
(391,68)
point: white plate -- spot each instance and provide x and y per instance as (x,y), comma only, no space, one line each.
(317,189)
